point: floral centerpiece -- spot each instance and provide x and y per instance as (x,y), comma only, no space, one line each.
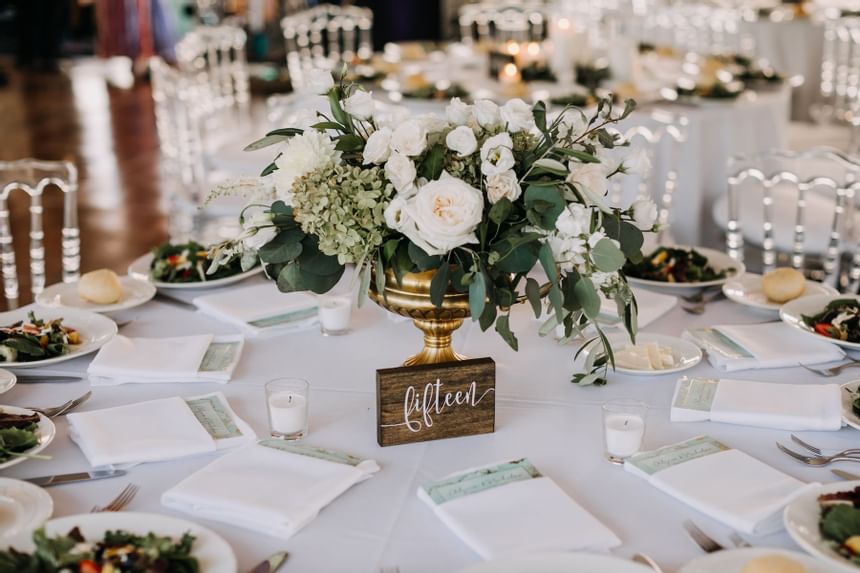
(475,200)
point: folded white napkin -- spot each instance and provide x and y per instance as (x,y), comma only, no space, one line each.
(273,487)
(510,508)
(725,484)
(652,305)
(203,358)
(261,309)
(158,430)
(760,404)
(768,345)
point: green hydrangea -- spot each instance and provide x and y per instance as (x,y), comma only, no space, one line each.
(344,207)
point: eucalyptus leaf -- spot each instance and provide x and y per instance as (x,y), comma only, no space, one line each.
(544,205)
(488,317)
(266,141)
(380,275)
(349,142)
(477,295)
(433,164)
(422,260)
(439,284)
(364,284)
(533,294)
(501,211)
(607,257)
(503,327)
(552,166)
(587,296)
(286,131)
(269,169)
(286,246)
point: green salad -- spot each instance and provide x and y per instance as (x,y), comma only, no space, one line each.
(187,263)
(35,339)
(437,92)
(19,433)
(840,522)
(673,265)
(118,552)
(840,319)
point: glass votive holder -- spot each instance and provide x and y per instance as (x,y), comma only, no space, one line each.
(335,314)
(287,406)
(623,428)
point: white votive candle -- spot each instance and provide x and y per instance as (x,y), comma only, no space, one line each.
(335,314)
(287,405)
(623,428)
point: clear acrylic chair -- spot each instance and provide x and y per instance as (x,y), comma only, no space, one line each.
(486,22)
(697,28)
(840,70)
(325,35)
(806,207)
(33,176)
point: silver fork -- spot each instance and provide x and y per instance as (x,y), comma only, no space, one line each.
(119,502)
(62,408)
(738,540)
(702,539)
(834,371)
(817,460)
(699,300)
(818,452)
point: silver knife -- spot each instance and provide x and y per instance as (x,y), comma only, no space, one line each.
(271,564)
(46,378)
(846,475)
(60,479)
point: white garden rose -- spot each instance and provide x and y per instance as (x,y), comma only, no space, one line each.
(300,155)
(462,140)
(377,149)
(359,104)
(458,112)
(517,115)
(400,170)
(487,113)
(319,81)
(574,221)
(395,214)
(443,215)
(497,155)
(590,180)
(644,213)
(503,185)
(409,138)
(432,122)
(637,162)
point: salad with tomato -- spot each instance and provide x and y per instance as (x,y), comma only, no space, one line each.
(187,263)
(840,319)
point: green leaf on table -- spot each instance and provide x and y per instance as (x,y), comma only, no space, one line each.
(533,294)
(433,163)
(587,296)
(477,295)
(503,327)
(607,257)
(439,284)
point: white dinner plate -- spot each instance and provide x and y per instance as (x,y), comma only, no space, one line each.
(135,292)
(716,259)
(685,352)
(801,518)
(733,560)
(7,380)
(848,415)
(559,563)
(747,290)
(95,330)
(139,269)
(213,553)
(792,313)
(47,431)
(23,507)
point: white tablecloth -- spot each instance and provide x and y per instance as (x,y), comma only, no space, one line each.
(540,415)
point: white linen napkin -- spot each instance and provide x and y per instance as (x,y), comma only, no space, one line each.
(724,484)
(273,487)
(158,430)
(202,358)
(261,309)
(768,345)
(652,305)
(760,404)
(509,508)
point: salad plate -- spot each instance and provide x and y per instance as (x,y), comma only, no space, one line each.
(747,290)
(23,507)
(559,563)
(135,292)
(212,553)
(803,521)
(141,269)
(734,560)
(93,331)
(851,394)
(684,354)
(7,380)
(826,317)
(683,270)
(23,438)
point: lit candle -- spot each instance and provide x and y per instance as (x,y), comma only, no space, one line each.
(510,74)
(335,314)
(512,48)
(288,414)
(624,433)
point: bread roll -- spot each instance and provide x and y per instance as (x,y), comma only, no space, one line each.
(773,564)
(783,285)
(100,287)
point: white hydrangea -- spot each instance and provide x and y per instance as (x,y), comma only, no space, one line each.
(300,155)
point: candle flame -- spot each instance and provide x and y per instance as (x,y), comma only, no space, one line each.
(510,70)
(512,48)
(533,48)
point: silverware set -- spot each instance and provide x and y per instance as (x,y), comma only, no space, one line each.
(817,457)
(120,502)
(834,371)
(62,409)
(695,304)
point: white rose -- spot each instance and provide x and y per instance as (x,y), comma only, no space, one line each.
(504,184)
(638,162)
(300,155)
(400,170)
(574,221)
(590,179)
(432,123)
(462,140)
(487,113)
(391,117)
(319,81)
(395,214)
(497,154)
(458,112)
(259,237)
(377,149)
(359,104)
(409,138)
(644,213)
(518,115)
(443,215)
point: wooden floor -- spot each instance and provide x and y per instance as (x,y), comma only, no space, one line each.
(109,133)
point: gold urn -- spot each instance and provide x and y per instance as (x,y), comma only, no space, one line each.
(411,298)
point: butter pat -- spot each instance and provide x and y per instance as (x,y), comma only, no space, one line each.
(649,356)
